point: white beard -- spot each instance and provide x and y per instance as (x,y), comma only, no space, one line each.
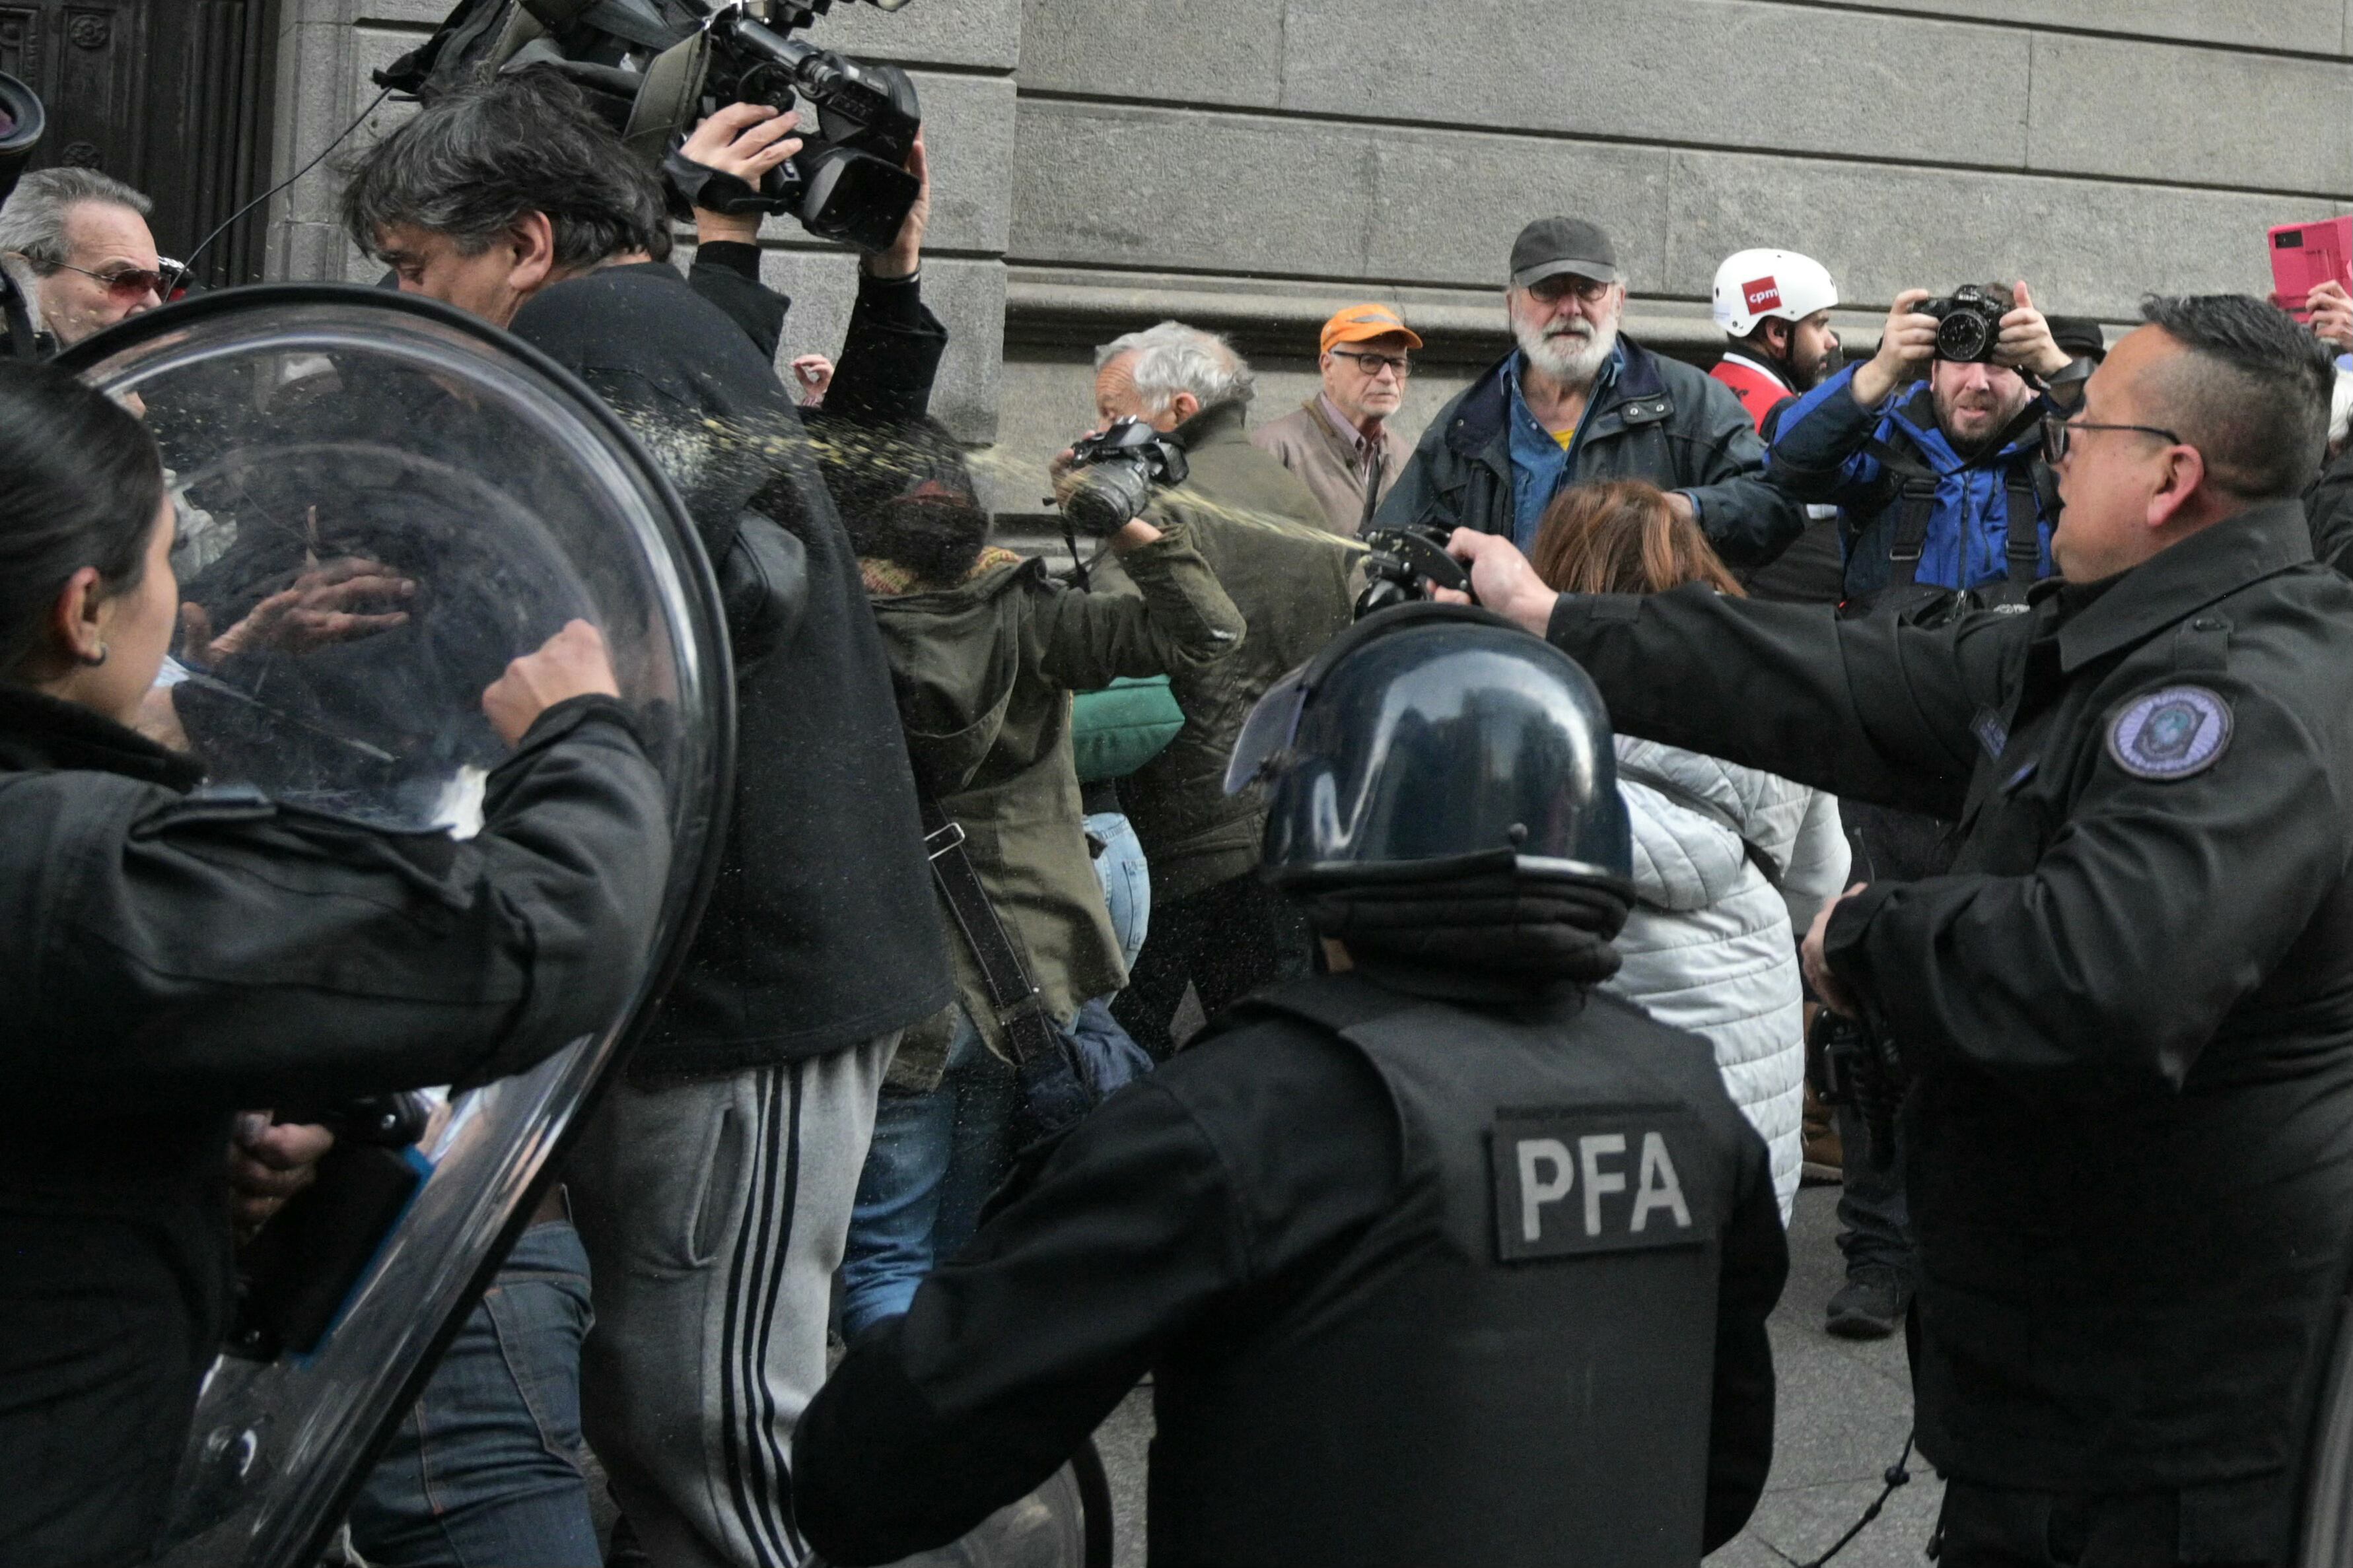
(1572,360)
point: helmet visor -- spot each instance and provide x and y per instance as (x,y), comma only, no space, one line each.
(1268,733)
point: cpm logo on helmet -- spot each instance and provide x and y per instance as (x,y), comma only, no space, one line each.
(1763,295)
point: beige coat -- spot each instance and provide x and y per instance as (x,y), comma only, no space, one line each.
(1323,455)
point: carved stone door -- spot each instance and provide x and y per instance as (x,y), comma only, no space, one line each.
(170,96)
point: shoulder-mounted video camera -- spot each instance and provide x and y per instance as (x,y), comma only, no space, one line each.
(1400,560)
(1968,325)
(655,68)
(1113,472)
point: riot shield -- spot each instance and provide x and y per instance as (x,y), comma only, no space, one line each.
(383,501)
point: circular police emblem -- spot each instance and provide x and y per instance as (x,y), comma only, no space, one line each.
(2171,734)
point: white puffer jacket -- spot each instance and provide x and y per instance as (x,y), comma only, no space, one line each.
(1711,947)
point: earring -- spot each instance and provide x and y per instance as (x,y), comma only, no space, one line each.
(94,663)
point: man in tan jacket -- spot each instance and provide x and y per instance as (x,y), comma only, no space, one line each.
(1339,442)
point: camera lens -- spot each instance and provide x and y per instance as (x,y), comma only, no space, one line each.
(1103,499)
(1965,335)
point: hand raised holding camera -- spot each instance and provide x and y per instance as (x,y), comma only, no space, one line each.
(746,141)
(2025,343)
(1906,346)
(2331,315)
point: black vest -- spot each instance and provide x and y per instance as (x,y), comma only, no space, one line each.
(1515,1365)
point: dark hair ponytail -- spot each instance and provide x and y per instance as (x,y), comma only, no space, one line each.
(80,482)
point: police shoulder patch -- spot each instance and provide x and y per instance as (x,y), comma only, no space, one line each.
(2171,733)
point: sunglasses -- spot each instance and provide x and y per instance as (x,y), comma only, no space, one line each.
(136,282)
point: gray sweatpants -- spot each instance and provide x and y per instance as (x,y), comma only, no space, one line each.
(714,1212)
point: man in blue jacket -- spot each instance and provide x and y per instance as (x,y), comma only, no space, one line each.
(1579,401)
(1942,486)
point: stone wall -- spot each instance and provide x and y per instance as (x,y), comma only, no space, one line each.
(1251,164)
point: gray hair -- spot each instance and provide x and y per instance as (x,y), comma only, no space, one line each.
(2340,409)
(1173,357)
(33,220)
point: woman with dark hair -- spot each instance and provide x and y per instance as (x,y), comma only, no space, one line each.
(1730,863)
(168,957)
(985,649)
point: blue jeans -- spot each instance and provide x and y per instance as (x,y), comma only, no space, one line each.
(485,1471)
(1126,881)
(935,1158)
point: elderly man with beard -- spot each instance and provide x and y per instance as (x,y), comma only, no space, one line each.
(1943,485)
(1580,401)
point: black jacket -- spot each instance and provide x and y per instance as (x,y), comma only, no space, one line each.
(1661,421)
(165,960)
(890,353)
(1296,1232)
(821,933)
(2328,509)
(2129,1005)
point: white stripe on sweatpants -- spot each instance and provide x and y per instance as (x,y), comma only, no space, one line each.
(714,1212)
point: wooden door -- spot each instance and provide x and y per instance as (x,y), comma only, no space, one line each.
(170,96)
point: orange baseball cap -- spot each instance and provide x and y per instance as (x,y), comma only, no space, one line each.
(1357,323)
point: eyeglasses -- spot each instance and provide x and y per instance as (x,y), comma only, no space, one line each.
(2058,433)
(136,282)
(1587,290)
(1373,365)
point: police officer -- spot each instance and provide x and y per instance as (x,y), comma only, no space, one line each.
(2129,1009)
(1443,1258)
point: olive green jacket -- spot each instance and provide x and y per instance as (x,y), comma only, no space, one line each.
(1263,533)
(984,671)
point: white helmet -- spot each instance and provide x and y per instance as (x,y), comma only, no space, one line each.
(1755,284)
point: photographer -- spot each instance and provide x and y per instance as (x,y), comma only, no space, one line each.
(167,960)
(512,199)
(985,649)
(1943,487)
(1214,924)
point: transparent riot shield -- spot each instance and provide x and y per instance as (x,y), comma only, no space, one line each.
(382,502)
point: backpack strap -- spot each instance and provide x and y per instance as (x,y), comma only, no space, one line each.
(1692,800)
(2023,492)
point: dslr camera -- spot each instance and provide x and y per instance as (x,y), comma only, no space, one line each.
(655,68)
(1112,474)
(1968,325)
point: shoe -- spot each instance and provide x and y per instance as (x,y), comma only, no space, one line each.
(1871,1304)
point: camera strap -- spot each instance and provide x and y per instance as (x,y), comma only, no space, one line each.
(996,952)
(1915,503)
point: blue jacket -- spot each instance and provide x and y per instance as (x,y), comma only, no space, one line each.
(1820,454)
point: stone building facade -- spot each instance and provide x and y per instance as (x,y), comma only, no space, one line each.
(1251,164)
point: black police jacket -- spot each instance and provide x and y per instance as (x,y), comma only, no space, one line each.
(1363,1267)
(166,960)
(2130,1004)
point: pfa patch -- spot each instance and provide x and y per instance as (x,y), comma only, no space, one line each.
(2171,734)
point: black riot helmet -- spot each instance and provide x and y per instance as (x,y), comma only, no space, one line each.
(1431,742)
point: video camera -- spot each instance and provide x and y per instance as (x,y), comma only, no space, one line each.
(1112,474)
(1968,325)
(22,121)
(654,68)
(1400,560)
